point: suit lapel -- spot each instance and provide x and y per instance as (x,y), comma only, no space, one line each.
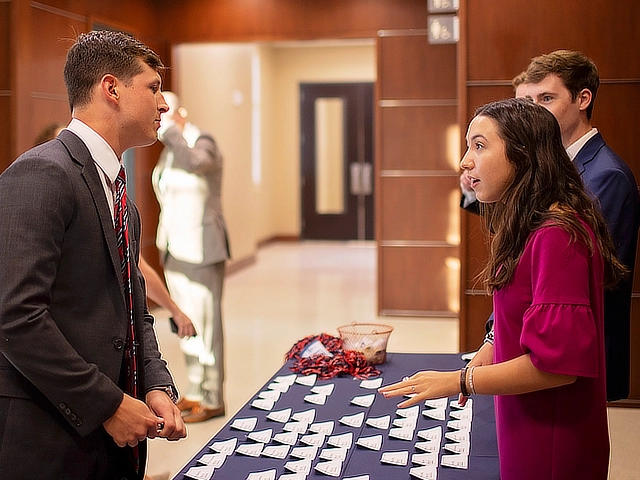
(588,152)
(80,154)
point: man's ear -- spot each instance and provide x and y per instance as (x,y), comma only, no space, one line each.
(109,87)
(584,99)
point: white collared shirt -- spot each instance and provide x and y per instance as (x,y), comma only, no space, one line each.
(104,157)
(576,146)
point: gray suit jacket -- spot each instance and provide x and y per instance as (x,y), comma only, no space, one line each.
(63,319)
(188,184)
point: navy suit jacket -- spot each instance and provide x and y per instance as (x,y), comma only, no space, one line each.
(612,184)
(63,318)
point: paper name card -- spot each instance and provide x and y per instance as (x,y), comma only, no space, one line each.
(250,449)
(458,447)
(353,420)
(428,458)
(307,416)
(263,436)
(364,400)
(200,473)
(316,398)
(381,423)
(359,477)
(408,412)
(263,404)
(428,472)
(276,451)
(344,440)
(373,442)
(458,436)
(298,427)
(334,454)
(305,452)
(300,466)
(326,428)
(395,458)
(433,434)
(286,438)
(270,395)
(437,403)
(331,468)
(214,459)
(315,439)
(428,446)
(307,380)
(455,461)
(465,414)
(435,413)
(286,379)
(402,433)
(225,447)
(410,422)
(455,404)
(265,475)
(280,416)
(278,387)
(372,384)
(292,476)
(245,424)
(464,425)
(324,389)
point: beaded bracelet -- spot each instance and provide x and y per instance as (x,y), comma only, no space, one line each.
(473,390)
(463,381)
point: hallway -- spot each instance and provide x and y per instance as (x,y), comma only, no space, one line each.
(300,289)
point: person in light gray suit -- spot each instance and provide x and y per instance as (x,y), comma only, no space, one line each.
(66,411)
(193,244)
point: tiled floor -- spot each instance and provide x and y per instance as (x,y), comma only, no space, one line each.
(300,289)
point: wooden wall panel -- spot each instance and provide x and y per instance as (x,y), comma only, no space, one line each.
(420,208)
(5,84)
(416,136)
(418,280)
(413,69)
(206,20)
(417,213)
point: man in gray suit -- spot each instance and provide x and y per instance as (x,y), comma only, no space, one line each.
(73,338)
(193,244)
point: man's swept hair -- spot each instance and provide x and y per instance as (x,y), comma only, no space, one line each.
(102,52)
(576,70)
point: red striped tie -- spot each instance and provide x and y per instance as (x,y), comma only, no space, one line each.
(121,216)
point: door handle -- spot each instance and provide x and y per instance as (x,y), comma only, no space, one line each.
(361,178)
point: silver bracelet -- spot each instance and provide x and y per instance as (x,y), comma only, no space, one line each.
(471,387)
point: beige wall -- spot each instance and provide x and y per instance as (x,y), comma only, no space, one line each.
(215,84)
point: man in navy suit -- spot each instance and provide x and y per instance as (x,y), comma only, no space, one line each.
(566,82)
(66,409)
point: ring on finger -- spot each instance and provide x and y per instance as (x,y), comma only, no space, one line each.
(413,388)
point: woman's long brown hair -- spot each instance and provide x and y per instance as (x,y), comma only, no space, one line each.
(546,189)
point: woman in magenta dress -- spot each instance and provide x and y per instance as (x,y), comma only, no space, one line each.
(551,256)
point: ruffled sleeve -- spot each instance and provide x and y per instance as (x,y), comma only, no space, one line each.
(559,328)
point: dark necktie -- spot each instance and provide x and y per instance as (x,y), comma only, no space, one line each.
(121,216)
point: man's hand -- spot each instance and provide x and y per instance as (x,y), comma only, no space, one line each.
(173,428)
(132,422)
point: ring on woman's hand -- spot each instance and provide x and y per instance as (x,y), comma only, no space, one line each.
(404,379)
(413,388)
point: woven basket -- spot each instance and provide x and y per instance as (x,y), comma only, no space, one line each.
(369,338)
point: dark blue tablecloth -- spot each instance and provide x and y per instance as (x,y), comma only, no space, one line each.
(483,458)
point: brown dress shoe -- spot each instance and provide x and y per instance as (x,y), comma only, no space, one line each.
(200,413)
(185,405)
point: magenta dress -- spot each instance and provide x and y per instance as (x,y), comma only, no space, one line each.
(553,310)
